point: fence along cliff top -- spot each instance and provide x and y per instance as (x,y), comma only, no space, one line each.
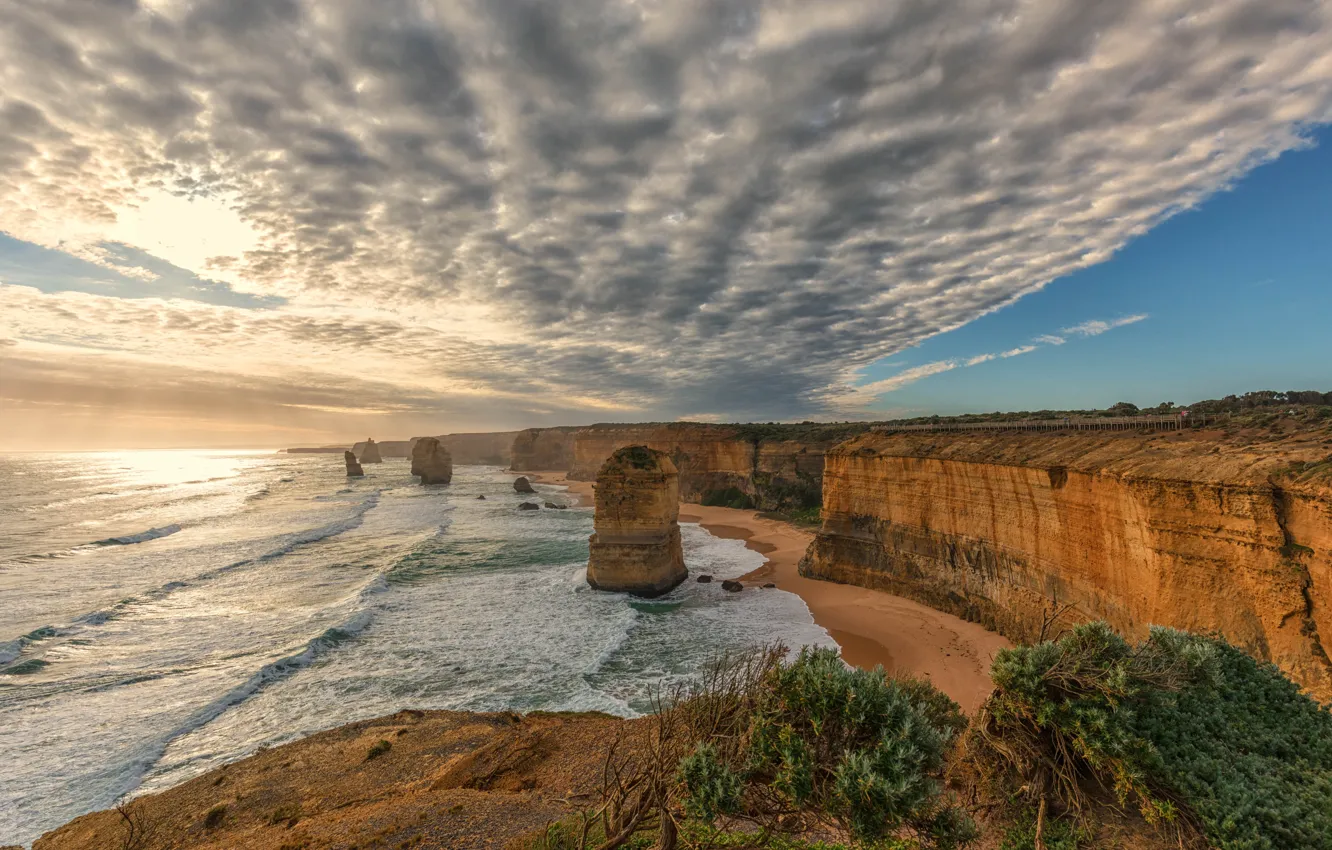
(1171,422)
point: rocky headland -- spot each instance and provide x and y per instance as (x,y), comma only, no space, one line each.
(432,462)
(538,449)
(636,547)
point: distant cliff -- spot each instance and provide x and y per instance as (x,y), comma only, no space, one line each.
(539,449)
(1184,530)
(771,467)
(489,448)
(387,448)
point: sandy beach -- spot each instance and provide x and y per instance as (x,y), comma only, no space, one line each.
(872,627)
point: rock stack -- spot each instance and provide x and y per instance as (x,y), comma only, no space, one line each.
(370,454)
(636,547)
(432,461)
(353,468)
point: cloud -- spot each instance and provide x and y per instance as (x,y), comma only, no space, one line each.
(867,393)
(862,396)
(1096,327)
(705,205)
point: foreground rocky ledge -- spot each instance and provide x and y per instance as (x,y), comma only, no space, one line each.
(445,779)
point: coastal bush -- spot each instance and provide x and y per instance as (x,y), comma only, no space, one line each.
(854,745)
(379,749)
(1187,729)
(782,748)
(731,497)
(215,816)
(1055,834)
(1249,753)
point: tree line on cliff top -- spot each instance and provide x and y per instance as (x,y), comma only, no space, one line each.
(1188,737)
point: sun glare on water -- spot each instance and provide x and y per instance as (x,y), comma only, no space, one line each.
(175,466)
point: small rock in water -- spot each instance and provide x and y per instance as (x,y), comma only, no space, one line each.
(704,579)
(555,507)
(732,586)
(482,496)
(529,506)
(522,485)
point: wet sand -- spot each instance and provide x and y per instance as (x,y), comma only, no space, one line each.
(872,627)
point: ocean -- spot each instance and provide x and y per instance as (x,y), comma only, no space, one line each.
(165,612)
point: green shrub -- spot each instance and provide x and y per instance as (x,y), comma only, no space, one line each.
(215,816)
(850,745)
(714,789)
(731,497)
(1250,754)
(1056,834)
(1176,721)
(379,749)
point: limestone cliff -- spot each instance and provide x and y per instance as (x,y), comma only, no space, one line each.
(432,461)
(636,547)
(1180,530)
(539,449)
(386,448)
(370,454)
(773,467)
(490,448)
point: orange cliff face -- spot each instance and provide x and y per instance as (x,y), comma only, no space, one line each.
(1134,529)
(718,464)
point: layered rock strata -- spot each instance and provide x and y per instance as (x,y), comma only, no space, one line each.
(353,468)
(370,454)
(538,449)
(636,546)
(766,467)
(1137,530)
(432,461)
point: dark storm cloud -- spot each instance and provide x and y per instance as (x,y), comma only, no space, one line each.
(697,205)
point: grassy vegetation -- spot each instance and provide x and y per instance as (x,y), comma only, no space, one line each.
(380,748)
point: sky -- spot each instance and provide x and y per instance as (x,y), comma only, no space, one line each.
(276,222)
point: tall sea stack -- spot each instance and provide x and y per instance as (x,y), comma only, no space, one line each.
(353,468)
(432,461)
(370,454)
(636,547)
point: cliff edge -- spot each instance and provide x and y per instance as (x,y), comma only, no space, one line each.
(1188,529)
